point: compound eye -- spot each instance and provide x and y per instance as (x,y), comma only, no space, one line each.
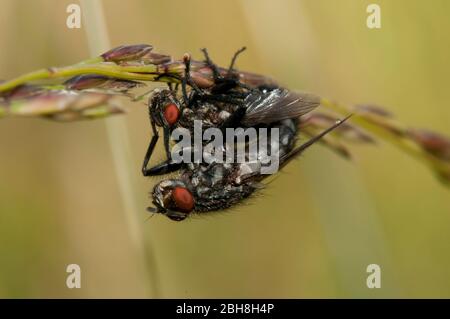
(183,199)
(171,113)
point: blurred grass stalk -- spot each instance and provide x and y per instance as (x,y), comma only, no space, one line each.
(117,131)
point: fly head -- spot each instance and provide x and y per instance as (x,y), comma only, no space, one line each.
(173,199)
(164,108)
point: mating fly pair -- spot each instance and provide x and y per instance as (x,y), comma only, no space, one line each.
(219,98)
(202,187)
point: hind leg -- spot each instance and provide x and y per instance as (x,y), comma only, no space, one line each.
(227,82)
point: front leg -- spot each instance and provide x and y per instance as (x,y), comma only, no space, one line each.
(162,168)
(233,61)
(165,167)
(187,80)
(167,143)
(212,66)
(223,84)
(150,149)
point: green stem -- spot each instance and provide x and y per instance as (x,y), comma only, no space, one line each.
(137,73)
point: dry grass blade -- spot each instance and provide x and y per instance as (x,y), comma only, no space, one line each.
(115,72)
(117,132)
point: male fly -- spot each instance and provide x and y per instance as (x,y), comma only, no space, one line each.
(227,104)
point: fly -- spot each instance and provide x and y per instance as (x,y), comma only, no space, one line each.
(88,90)
(202,188)
(228,104)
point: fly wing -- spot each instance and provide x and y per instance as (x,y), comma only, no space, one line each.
(277,105)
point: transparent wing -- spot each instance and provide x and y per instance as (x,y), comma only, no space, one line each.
(277,105)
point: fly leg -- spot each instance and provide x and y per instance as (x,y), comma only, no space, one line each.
(231,75)
(168,165)
(189,100)
(167,142)
(223,84)
(215,70)
(165,167)
(297,151)
(233,60)
(150,149)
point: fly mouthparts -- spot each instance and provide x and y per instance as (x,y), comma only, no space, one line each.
(152,209)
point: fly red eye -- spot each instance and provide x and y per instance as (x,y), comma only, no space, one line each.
(171,113)
(183,199)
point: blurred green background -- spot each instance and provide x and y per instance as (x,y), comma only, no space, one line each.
(313,230)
